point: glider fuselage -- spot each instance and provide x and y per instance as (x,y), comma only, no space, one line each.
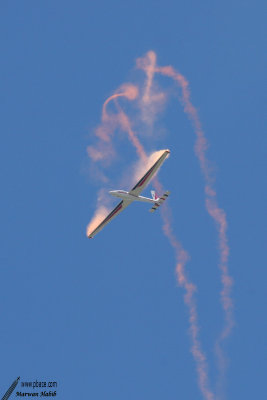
(122,194)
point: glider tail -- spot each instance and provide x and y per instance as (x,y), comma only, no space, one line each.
(154,195)
(158,200)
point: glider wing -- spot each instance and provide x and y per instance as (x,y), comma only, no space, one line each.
(137,189)
(117,210)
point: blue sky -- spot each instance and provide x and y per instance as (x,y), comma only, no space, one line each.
(105,318)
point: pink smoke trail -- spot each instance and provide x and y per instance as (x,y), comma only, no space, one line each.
(148,64)
(181,257)
(190,288)
(103,150)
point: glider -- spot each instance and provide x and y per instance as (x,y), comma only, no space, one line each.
(134,195)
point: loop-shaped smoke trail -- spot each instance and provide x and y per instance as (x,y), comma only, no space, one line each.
(104,151)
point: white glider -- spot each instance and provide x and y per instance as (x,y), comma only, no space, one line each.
(134,195)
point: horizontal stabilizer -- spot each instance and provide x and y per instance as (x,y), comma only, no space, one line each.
(159,201)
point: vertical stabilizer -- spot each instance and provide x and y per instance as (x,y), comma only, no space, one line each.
(154,196)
